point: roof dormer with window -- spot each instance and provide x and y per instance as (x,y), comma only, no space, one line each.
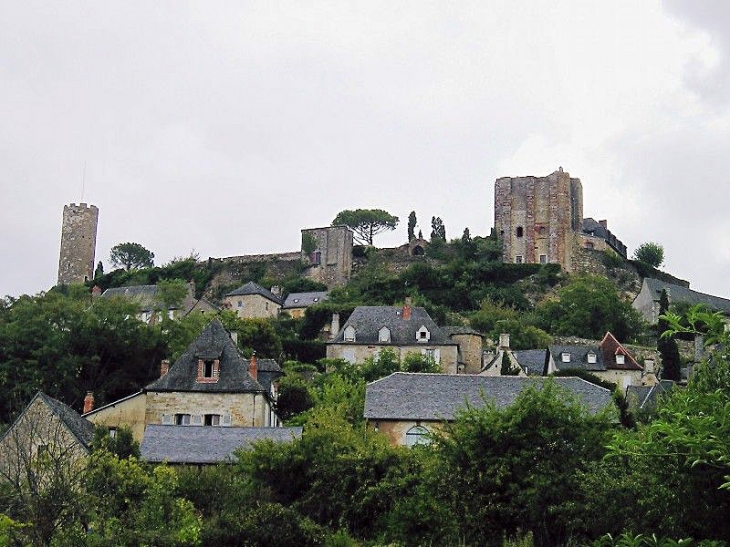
(384,335)
(423,334)
(349,334)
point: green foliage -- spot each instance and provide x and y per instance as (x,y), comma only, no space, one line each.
(172,292)
(666,345)
(412,226)
(438,230)
(651,254)
(366,223)
(122,444)
(506,368)
(309,243)
(99,271)
(131,256)
(611,259)
(294,396)
(588,307)
(641,540)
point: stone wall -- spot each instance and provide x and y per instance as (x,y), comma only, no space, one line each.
(78,243)
(245,409)
(331,261)
(252,306)
(129,412)
(470,348)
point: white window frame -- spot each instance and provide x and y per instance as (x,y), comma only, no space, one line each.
(350,334)
(592,359)
(518,259)
(565,357)
(182,419)
(384,335)
(620,359)
(417,435)
(423,335)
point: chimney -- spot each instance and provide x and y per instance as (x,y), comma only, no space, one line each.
(276,290)
(335,325)
(407,309)
(603,223)
(253,367)
(504,340)
(234,337)
(96,292)
(88,402)
(649,366)
(164,367)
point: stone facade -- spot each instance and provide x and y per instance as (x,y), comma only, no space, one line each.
(446,356)
(537,217)
(470,352)
(128,412)
(331,261)
(78,243)
(252,306)
(396,430)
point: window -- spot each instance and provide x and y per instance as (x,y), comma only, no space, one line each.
(542,231)
(208,371)
(208,368)
(384,335)
(316,258)
(296,300)
(350,334)
(422,334)
(171,314)
(620,359)
(519,232)
(592,358)
(431,355)
(182,419)
(212,419)
(267,306)
(112,432)
(565,357)
(349,355)
(417,435)
(589,245)
(240,303)
(315,299)
(543,259)
(518,259)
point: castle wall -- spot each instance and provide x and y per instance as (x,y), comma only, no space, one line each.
(331,261)
(78,243)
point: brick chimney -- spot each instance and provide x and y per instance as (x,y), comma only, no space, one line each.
(164,367)
(96,292)
(253,367)
(407,309)
(88,402)
(335,328)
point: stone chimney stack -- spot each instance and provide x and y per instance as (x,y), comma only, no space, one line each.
(88,402)
(164,367)
(253,367)
(234,337)
(335,328)
(407,309)
(504,340)
(276,291)
(603,223)
(649,366)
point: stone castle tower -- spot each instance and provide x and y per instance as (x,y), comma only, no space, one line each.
(78,243)
(331,261)
(538,218)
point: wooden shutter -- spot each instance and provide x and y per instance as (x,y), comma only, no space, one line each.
(167,419)
(197,419)
(226,420)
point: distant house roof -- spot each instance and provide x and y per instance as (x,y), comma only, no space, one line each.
(678,293)
(646,397)
(206,445)
(304,299)
(594,228)
(433,397)
(452,330)
(147,298)
(531,360)
(368,320)
(213,343)
(80,428)
(254,288)
(605,353)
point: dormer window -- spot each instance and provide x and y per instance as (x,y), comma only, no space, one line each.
(620,359)
(565,357)
(422,334)
(208,370)
(350,334)
(592,358)
(384,335)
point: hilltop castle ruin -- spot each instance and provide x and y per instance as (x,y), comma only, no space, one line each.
(78,243)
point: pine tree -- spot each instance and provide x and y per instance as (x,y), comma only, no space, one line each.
(411,226)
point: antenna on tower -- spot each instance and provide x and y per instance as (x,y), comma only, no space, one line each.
(83,181)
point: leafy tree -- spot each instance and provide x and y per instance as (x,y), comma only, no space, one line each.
(438,230)
(651,254)
(309,243)
(666,345)
(366,223)
(172,292)
(131,256)
(294,396)
(411,226)
(506,368)
(99,270)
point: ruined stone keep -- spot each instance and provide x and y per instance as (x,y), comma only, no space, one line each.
(538,218)
(78,243)
(331,261)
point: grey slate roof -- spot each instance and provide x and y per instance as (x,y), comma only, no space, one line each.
(592,227)
(200,444)
(434,397)
(254,288)
(578,357)
(532,360)
(451,330)
(678,293)
(368,320)
(646,397)
(213,343)
(304,299)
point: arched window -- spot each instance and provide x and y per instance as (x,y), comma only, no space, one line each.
(543,230)
(417,435)
(519,232)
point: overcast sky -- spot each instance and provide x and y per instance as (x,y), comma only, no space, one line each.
(226,127)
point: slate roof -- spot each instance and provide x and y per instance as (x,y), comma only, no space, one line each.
(678,293)
(304,299)
(206,445)
(435,397)
(646,397)
(593,227)
(213,343)
(578,358)
(460,329)
(531,360)
(368,320)
(254,288)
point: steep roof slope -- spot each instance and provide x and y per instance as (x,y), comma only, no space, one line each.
(368,320)
(254,288)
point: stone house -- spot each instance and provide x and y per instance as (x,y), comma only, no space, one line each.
(647,301)
(296,303)
(540,221)
(252,301)
(404,330)
(645,398)
(516,361)
(151,307)
(609,360)
(469,348)
(211,384)
(47,428)
(407,407)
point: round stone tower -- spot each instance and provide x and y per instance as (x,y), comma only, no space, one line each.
(78,243)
